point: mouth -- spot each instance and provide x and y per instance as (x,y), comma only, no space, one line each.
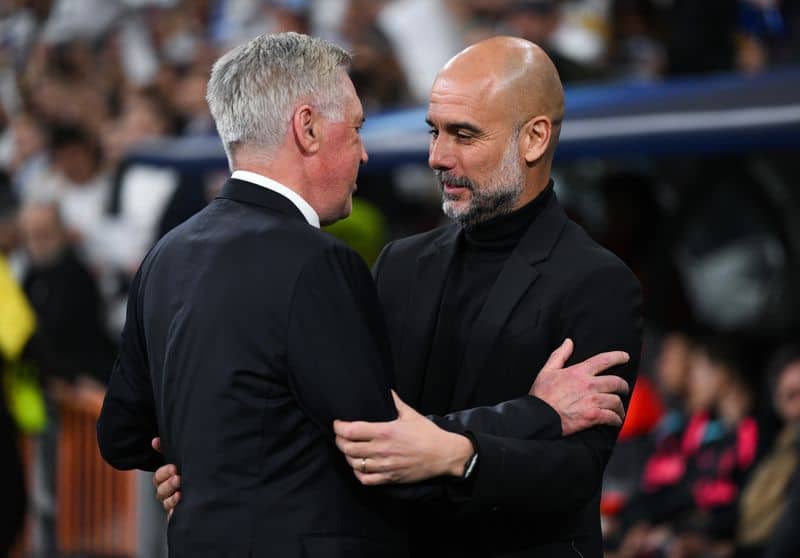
(451,188)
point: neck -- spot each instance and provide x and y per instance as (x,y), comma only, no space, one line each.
(537,181)
(278,167)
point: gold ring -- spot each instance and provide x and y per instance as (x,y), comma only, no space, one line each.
(363,464)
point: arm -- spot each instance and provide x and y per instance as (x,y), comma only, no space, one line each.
(561,401)
(603,313)
(127,421)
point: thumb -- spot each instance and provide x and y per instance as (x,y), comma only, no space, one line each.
(156,443)
(402,408)
(558,358)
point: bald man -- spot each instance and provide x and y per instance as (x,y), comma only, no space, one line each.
(475,308)
(473,311)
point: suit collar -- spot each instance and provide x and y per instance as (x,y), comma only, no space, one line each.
(253,194)
(265,182)
(540,239)
(425,294)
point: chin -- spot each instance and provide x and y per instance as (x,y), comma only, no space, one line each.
(454,209)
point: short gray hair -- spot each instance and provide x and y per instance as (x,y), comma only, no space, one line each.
(254,87)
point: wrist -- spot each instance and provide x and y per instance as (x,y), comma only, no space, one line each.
(460,450)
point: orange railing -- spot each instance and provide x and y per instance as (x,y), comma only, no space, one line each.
(96,511)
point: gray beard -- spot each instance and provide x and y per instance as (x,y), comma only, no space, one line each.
(497,197)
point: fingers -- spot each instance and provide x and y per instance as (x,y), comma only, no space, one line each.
(168,488)
(372,479)
(609,418)
(156,444)
(558,358)
(356,449)
(371,465)
(171,503)
(163,473)
(602,362)
(358,431)
(611,384)
(611,403)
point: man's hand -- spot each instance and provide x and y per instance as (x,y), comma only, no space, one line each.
(408,449)
(578,394)
(167,483)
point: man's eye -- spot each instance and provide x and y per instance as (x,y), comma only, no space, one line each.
(463,137)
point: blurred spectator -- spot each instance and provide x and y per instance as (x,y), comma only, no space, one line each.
(766,498)
(376,72)
(539,21)
(423,35)
(691,484)
(636,50)
(70,339)
(81,186)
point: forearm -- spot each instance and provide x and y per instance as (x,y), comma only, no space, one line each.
(524,418)
(124,435)
(535,475)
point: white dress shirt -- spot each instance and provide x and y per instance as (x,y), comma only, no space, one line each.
(261,180)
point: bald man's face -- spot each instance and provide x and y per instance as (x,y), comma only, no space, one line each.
(474,149)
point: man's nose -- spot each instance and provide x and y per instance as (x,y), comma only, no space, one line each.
(440,157)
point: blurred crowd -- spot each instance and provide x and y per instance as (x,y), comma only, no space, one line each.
(82,82)
(708,462)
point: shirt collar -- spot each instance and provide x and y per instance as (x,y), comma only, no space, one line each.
(261,180)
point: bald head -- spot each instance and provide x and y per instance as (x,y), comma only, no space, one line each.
(495,112)
(512,73)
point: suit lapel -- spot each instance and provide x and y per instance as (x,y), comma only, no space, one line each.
(516,278)
(422,311)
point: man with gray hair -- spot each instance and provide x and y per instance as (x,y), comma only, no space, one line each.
(249,331)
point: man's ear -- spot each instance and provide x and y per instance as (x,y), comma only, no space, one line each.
(535,137)
(306,128)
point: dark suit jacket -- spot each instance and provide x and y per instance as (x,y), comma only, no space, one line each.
(248,332)
(531,496)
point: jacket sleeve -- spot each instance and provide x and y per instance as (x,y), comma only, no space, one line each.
(526,417)
(338,352)
(601,314)
(127,421)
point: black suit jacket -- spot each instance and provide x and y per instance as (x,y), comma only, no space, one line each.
(248,332)
(535,493)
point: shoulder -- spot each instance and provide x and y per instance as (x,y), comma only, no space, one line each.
(418,243)
(585,259)
(412,247)
(396,261)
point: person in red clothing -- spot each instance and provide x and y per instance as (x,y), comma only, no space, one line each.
(691,483)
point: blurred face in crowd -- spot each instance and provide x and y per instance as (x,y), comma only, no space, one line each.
(491,128)
(673,364)
(341,153)
(78,162)
(787,393)
(43,234)
(705,382)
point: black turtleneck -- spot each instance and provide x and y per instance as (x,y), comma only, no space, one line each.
(481,253)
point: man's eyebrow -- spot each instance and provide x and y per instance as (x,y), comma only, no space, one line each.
(456,126)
